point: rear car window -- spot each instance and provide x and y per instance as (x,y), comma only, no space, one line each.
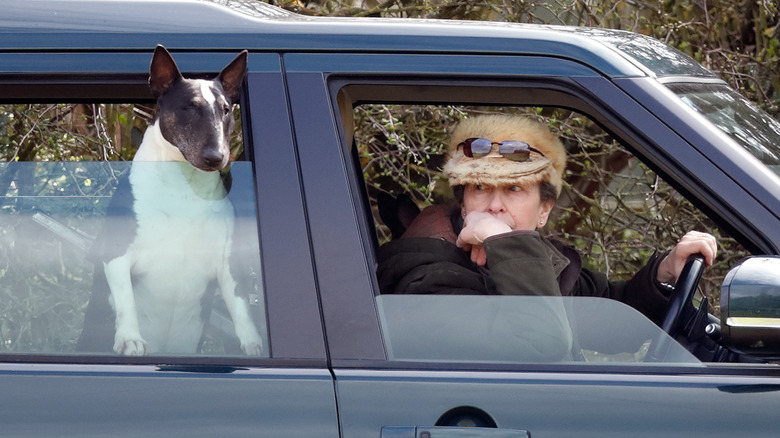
(62,175)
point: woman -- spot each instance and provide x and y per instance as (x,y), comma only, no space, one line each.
(506,173)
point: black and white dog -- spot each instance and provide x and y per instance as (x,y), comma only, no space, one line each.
(181,218)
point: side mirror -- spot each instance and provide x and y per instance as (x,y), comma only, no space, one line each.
(750,307)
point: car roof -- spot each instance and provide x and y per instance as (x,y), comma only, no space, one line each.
(216,25)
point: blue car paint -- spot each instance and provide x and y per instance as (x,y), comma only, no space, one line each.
(329,375)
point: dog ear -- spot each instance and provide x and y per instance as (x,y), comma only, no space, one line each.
(232,76)
(163,72)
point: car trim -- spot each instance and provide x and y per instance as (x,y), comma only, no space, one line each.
(573,368)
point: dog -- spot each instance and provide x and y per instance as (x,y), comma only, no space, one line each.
(182,220)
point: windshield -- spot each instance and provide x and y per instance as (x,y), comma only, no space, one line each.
(749,126)
(658,57)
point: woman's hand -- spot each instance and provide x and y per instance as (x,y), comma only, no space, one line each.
(478,226)
(691,243)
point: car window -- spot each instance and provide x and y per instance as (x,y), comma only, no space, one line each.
(752,128)
(613,210)
(65,208)
(521,329)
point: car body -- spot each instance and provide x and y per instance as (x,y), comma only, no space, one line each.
(330,370)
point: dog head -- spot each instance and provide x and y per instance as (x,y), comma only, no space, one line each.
(195,115)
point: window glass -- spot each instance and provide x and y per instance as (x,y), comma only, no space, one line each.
(69,205)
(521,329)
(748,125)
(613,211)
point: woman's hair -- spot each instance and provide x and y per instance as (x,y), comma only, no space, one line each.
(547,192)
(459,191)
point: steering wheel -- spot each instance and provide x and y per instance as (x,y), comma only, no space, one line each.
(682,297)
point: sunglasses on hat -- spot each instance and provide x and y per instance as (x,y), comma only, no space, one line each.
(514,150)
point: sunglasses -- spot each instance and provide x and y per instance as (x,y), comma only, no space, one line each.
(510,149)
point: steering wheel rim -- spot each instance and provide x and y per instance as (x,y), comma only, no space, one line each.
(684,290)
(681,298)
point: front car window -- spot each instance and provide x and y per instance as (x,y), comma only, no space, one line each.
(614,211)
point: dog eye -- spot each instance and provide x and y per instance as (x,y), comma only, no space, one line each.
(225,109)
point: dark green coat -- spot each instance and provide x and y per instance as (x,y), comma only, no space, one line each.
(425,260)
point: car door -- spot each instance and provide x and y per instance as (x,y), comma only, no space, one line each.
(70,122)
(427,366)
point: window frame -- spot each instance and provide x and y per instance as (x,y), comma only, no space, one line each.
(615,111)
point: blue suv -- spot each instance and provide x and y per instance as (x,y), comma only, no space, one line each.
(324,100)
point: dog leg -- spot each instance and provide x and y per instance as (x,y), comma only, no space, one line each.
(127,340)
(247,334)
(246,331)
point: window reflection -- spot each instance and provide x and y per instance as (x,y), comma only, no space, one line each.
(752,128)
(51,215)
(520,329)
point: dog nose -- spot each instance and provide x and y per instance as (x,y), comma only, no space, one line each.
(213,158)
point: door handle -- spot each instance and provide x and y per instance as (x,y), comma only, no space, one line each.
(451,432)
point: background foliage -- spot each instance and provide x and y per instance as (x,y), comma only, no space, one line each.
(737,39)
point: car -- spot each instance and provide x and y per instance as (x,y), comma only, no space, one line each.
(328,108)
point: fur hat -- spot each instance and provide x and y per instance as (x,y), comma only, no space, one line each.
(494,169)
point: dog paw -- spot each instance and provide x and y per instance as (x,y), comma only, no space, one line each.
(252,348)
(130,345)
(250,339)
(252,344)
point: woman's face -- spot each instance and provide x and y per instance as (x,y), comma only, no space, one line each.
(518,206)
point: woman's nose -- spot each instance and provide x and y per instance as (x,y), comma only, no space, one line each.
(496,203)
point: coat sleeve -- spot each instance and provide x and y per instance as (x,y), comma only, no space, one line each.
(429,266)
(520,264)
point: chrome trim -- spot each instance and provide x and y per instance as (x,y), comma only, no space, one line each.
(690,80)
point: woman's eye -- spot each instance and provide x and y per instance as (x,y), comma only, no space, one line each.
(480,187)
(514,188)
